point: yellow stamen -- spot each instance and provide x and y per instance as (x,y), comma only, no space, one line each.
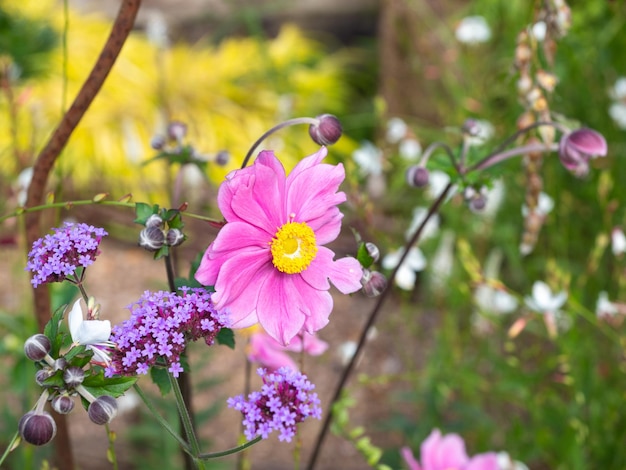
(293,247)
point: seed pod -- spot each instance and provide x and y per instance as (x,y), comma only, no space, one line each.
(174,237)
(73,376)
(151,238)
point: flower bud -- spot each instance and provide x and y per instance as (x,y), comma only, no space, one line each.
(373,282)
(176,130)
(103,409)
(154,220)
(37,347)
(37,428)
(222,157)
(578,147)
(327,131)
(373,251)
(73,376)
(42,375)
(62,404)
(174,237)
(151,238)
(417,176)
(60,364)
(157,142)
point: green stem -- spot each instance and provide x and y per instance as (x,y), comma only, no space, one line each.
(111,454)
(9,447)
(185,420)
(162,421)
(234,450)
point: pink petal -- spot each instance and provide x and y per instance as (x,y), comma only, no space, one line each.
(327,227)
(345,273)
(486,461)
(309,161)
(409,459)
(279,309)
(319,305)
(268,352)
(237,235)
(268,159)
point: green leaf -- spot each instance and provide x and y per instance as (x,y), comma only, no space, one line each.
(75,351)
(160,379)
(176,221)
(226,337)
(363,256)
(51,330)
(97,384)
(162,252)
(143,211)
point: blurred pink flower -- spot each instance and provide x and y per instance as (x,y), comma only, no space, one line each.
(268,263)
(269,353)
(445,452)
(578,147)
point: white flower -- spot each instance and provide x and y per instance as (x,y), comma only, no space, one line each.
(618,92)
(431,228)
(617,111)
(437,182)
(94,334)
(505,462)
(494,301)
(156,29)
(443,260)
(481,132)
(473,30)
(604,307)
(410,149)
(545,302)
(538,30)
(396,130)
(406,275)
(345,351)
(369,158)
(545,204)
(22,184)
(618,241)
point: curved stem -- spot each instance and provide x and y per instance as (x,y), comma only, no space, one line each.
(10,447)
(234,450)
(500,157)
(287,123)
(370,322)
(162,421)
(439,145)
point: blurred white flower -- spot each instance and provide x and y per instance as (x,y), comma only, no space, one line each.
(617,111)
(473,30)
(495,196)
(156,29)
(505,462)
(618,92)
(545,204)
(369,158)
(538,30)
(345,351)
(443,260)
(548,304)
(618,241)
(480,132)
(413,263)
(396,130)
(437,182)
(604,307)
(22,184)
(410,149)
(431,228)
(488,298)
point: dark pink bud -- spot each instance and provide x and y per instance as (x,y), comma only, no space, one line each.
(417,176)
(327,131)
(578,147)
(37,428)
(37,347)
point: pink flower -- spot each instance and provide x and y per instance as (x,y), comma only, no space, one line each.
(578,147)
(272,355)
(268,264)
(447,452)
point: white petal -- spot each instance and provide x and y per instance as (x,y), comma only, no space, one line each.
(410,149)
(415,260)
(391,259)
(93,332)
(618,241)
(539,30)
(405,278)
(503,302)
(542,295)
(75,319)
(396,130)
(473,30)
(558,300)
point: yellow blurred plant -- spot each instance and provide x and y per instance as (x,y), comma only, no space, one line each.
(228,95)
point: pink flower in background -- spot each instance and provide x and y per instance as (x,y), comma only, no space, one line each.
(268,264)
(269,353)
(445,452)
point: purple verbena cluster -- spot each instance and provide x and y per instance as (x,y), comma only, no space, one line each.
(285,399)
(159,327)
(59,254)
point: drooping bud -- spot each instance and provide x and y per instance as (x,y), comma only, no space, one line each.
(151,238)
(37,428)
(73,376)
(154,220)
(417,176)
(62,404)
(60,364)
(373,251)
(157,142)
(42,375)
(103,409)
(222,157)
(37,347)
(373,282)
(176,130)
(327,131)
(174,237)
(578,147)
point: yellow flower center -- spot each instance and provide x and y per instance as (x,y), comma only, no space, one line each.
(293,247)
